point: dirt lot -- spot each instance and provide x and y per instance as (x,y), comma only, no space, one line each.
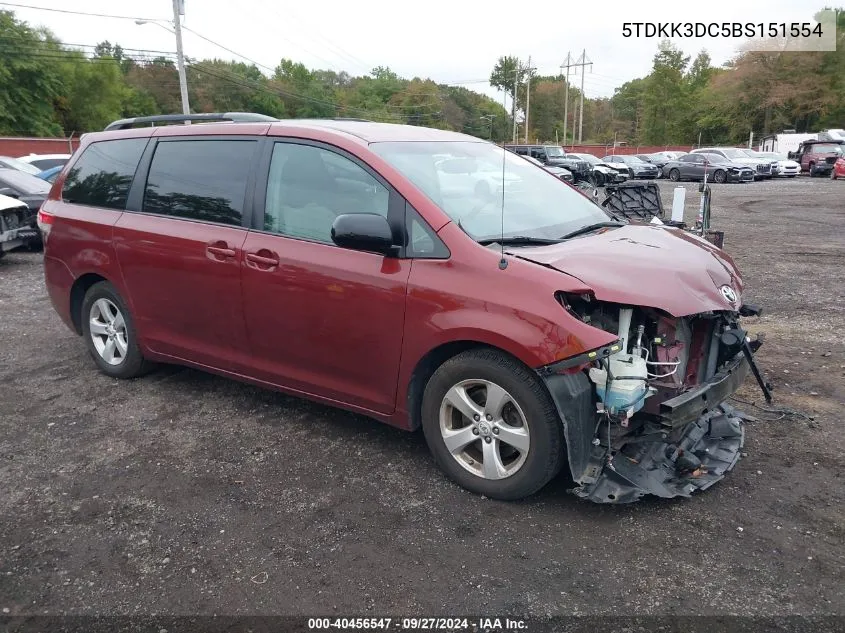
(183,493)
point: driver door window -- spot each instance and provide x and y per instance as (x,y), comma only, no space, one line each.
(308,187)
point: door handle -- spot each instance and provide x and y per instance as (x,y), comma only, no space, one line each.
(270,260)
(220,251)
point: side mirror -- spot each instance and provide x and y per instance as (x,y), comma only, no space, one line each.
(363,232)
(6,191)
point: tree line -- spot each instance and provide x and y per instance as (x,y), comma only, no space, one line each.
(48,88)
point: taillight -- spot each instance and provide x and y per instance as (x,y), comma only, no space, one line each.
(45,223)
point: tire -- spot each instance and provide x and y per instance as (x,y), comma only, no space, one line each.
(720,176)
(674,175)
(101,302)
(527,416)
(597,179)
(812,168)
(833,175)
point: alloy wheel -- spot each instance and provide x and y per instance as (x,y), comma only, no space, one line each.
(108,331)
(484,429)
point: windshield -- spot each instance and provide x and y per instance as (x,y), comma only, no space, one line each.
(14,163)
(553,150)
(735,153)
(468,187)
(27,184)
(631,160)
(824,148)
(593,160)
(715,158)
(772,155)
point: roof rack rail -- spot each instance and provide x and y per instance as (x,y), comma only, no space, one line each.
(345,118)
(240,117)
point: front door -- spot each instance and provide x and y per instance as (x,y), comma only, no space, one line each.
(180,253)
(321,319)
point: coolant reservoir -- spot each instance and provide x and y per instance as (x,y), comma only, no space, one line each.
(629,390)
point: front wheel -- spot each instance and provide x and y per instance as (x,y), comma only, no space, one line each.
(674,175)
(597,179)
(491,425)
(720,176)
(109,333)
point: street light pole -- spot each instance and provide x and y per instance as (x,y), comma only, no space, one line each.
(180,58)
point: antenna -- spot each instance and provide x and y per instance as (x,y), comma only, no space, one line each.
(503,263)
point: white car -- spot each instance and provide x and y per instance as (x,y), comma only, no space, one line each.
(45,161)
(14,224)
(785,167)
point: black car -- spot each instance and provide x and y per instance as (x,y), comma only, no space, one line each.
(553,155)
(718,169)
(637,168)
(30,190)
(559,172)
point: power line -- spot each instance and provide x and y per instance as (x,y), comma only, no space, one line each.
(96,15)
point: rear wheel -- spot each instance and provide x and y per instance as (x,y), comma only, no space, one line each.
(833,174)
(491,425)
(812,167)
(720,176)
(674,175)
(109,333)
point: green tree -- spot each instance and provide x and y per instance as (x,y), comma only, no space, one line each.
(30,79)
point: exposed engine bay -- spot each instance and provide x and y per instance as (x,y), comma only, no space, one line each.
(648,414)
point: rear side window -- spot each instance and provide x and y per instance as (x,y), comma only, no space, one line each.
(200,180)
(103,174)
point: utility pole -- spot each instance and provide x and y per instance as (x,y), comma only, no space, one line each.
(179,8)
(566,64)
(528,95)
(583,63)
(513,104)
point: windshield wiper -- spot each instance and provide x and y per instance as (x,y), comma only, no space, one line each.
(518,240)
(591,227)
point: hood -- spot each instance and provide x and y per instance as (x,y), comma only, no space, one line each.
(788,163)
(646,265)
(730,165)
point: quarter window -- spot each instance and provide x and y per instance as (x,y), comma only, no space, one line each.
(308,187)
(103,174)
(200,180)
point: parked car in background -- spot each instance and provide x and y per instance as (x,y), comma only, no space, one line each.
(320,258)
(817,157)
(602,173)
(784,167)
(45,161)
(762,166)
(717,167)
(15,227)
(560,172)
(672,155)
(554,155)
(29,189)
(658,160)
(637,168)
(8,162)
(838,169)
(51,174)
(753,153)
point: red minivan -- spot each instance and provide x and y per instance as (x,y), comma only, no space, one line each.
(420,277)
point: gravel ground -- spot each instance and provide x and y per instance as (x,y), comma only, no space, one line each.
(184,493)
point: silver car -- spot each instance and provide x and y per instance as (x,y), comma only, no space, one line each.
(762,166)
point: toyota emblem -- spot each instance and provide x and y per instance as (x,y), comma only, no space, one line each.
(729,294)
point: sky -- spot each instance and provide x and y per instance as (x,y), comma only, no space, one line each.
(449,41)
